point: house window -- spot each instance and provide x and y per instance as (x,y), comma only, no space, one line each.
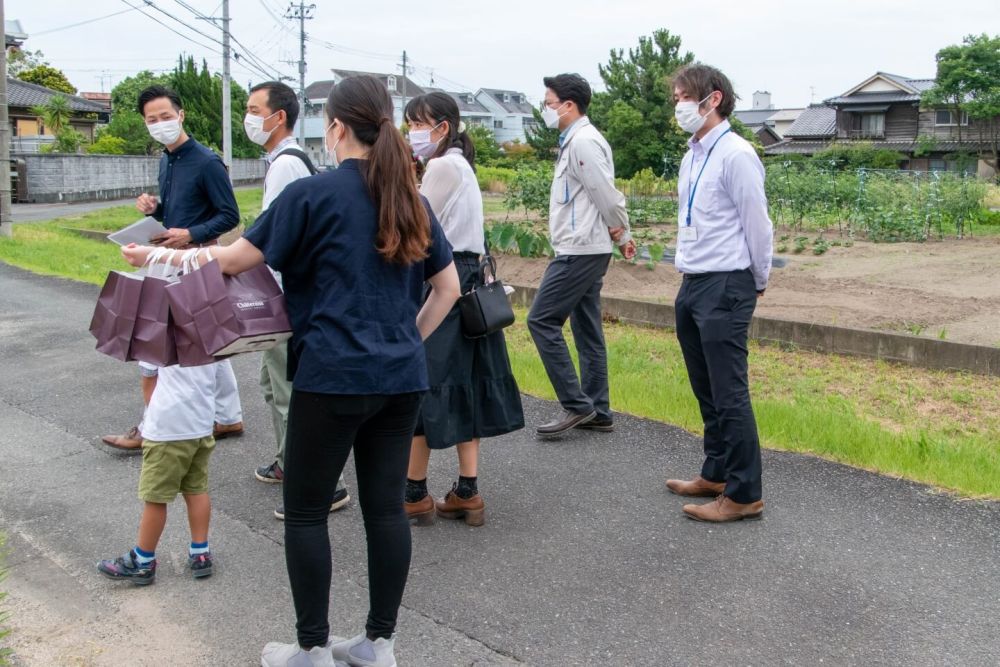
(947,117)
(506,98)
(528,123)
(498,125)
(873,124)
(391,83)
(938,165)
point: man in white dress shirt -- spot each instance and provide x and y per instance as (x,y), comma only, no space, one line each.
(272,109)
(724,251)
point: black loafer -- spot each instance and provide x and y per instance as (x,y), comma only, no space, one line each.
(602,425)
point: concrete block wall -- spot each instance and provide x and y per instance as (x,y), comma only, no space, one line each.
(66,178)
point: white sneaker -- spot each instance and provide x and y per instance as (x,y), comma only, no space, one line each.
(292,655)
(363,652)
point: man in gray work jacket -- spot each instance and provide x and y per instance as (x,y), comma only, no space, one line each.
(586,216)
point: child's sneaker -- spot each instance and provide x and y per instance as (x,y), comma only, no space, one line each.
(292,655)
(126,568)
(201,565)
(363,652)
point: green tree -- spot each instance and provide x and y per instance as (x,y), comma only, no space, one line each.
(48,76)
(637,99)
(125,95)
(129,126)
(19,60)
(545,141)
(968,80)
(55,113)
(201,95)
(487,151)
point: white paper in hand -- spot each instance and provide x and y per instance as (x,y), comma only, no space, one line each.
(138,232)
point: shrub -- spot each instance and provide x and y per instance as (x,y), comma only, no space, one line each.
(494,179)
(530,188)
(107,144)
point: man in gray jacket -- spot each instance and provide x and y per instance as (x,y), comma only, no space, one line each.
(586,216)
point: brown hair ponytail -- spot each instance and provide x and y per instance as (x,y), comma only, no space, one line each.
(363,104)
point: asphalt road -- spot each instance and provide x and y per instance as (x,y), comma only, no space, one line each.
(585,558)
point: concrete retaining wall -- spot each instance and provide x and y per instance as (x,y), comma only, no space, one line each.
(65,178)
(902,348)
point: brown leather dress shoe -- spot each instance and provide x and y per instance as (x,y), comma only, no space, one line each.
(221,431)
(473,509)
(422,510)
(131,441)
(568,421)
(697,487)
(724,509)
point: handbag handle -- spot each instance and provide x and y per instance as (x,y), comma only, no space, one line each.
(487,262)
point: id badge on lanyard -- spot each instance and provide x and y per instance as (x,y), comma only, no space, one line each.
(689,232)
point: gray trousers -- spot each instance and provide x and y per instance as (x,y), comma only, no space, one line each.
(277,390)
(571,289)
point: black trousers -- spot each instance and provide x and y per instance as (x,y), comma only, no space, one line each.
(322,431)
(713,313)
(571,289)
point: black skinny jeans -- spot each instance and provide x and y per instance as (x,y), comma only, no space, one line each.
(322,430)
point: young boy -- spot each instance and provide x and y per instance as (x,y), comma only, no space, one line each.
(177,445)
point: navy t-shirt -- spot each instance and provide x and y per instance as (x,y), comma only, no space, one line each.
(353,314)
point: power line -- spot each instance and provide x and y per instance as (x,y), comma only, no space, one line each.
(253,59)
(75,25)
(176,32)
(210,49)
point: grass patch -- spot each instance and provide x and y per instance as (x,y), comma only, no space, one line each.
(51,249)
(939,428)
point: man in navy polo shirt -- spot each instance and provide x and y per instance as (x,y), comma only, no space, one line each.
(197,206)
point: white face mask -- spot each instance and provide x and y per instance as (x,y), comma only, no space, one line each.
(331,152)
(688,115)
(420,142)
(167,132)
(551,116)
(254,127)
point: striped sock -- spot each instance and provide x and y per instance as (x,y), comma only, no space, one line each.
(198,548)
(144,557)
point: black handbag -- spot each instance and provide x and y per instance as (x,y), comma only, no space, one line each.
(486,308)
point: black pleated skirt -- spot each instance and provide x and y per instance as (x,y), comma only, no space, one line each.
(473,393)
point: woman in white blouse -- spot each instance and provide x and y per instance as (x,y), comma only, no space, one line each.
(473,393)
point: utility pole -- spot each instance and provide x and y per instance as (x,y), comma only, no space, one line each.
(301,12)
(402,108)
(5,215)
(227,96)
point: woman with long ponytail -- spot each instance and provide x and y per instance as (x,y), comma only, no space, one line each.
(355,247)
(473,392)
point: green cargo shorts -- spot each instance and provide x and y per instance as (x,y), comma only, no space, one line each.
(176,466)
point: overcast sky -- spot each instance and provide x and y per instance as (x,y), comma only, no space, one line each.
(800,51)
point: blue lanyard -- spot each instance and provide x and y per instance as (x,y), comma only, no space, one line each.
(694,187)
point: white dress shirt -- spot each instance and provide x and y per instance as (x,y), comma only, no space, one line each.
(282,170)
(451,187)
(729,209)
